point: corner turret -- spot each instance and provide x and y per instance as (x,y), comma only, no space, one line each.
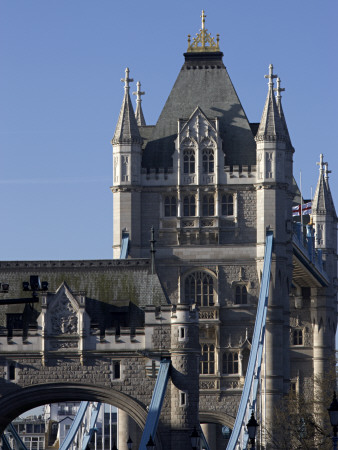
(127,153)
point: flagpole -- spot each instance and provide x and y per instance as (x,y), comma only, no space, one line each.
(301,200)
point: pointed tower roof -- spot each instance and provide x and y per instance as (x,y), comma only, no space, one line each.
(126,131)
(202,81)
(271,127)
(139,113)
(278,91)
(322,201)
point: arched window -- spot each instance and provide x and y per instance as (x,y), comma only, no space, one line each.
(230,363)
(297,337)
(208,205)
(189,161)
(208,160)
(199,288)
(227,205)
(241,295)
(207,360)
(189,206)
(170,206)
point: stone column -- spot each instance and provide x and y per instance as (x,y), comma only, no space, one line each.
(209,431)
(126,427)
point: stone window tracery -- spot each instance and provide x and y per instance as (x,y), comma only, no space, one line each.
(170,206)
(297,337)
(208,160)
(199,288)
(230,363)
(189,161)
(241,295)
(227,205)
(207,359)
(189,206)
(208,205)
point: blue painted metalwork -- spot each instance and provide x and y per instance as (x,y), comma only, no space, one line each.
(19,445)
(239,435)
(304,250)
(124,245)
(205,444)
(5,443)
(75,426)
(156,403)
(93,419)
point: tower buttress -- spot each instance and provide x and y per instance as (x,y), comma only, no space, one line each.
(127,152)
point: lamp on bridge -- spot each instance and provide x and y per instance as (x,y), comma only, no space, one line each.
(35,285)
(195,439)
(252,426)
(150,445)
(4,287)
(129,443)
(333,413)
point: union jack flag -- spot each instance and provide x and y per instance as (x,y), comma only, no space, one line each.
(306,208)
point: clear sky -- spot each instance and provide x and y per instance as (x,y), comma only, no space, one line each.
(61,64)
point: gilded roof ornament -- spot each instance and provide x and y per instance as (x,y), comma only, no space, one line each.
(203,42)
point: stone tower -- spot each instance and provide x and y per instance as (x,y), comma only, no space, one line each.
(211,183)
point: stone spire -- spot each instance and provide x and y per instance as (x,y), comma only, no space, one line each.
(139,113)
(322,200)
(278,91)
(126,131)
(271,127)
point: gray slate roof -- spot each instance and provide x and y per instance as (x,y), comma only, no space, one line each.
(107,283)
(203,81)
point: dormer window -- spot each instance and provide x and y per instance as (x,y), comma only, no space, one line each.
(208,160)
(189,161)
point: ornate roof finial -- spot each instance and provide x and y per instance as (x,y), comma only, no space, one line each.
(139,113)
(327,171)
(203,42)
(138,92)
(126,80)
(278,89)
(321,163)
(271,75)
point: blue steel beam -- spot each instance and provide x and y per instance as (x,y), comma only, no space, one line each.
(18,441)
(75,426)
(124,245)
(93,419)
(156,404)
(5,443)
(248,400)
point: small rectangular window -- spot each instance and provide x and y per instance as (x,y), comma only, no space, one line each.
(183,398)
(116,370)
(182,332)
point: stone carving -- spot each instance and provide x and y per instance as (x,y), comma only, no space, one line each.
(210,384)
(64,318)
(63,344)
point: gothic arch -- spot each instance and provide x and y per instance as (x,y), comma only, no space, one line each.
(217,417)
(24,399)
(204,270)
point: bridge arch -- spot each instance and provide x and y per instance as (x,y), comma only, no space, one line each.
(21,400)
(217,417)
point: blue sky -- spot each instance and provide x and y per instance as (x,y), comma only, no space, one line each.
(61,64)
